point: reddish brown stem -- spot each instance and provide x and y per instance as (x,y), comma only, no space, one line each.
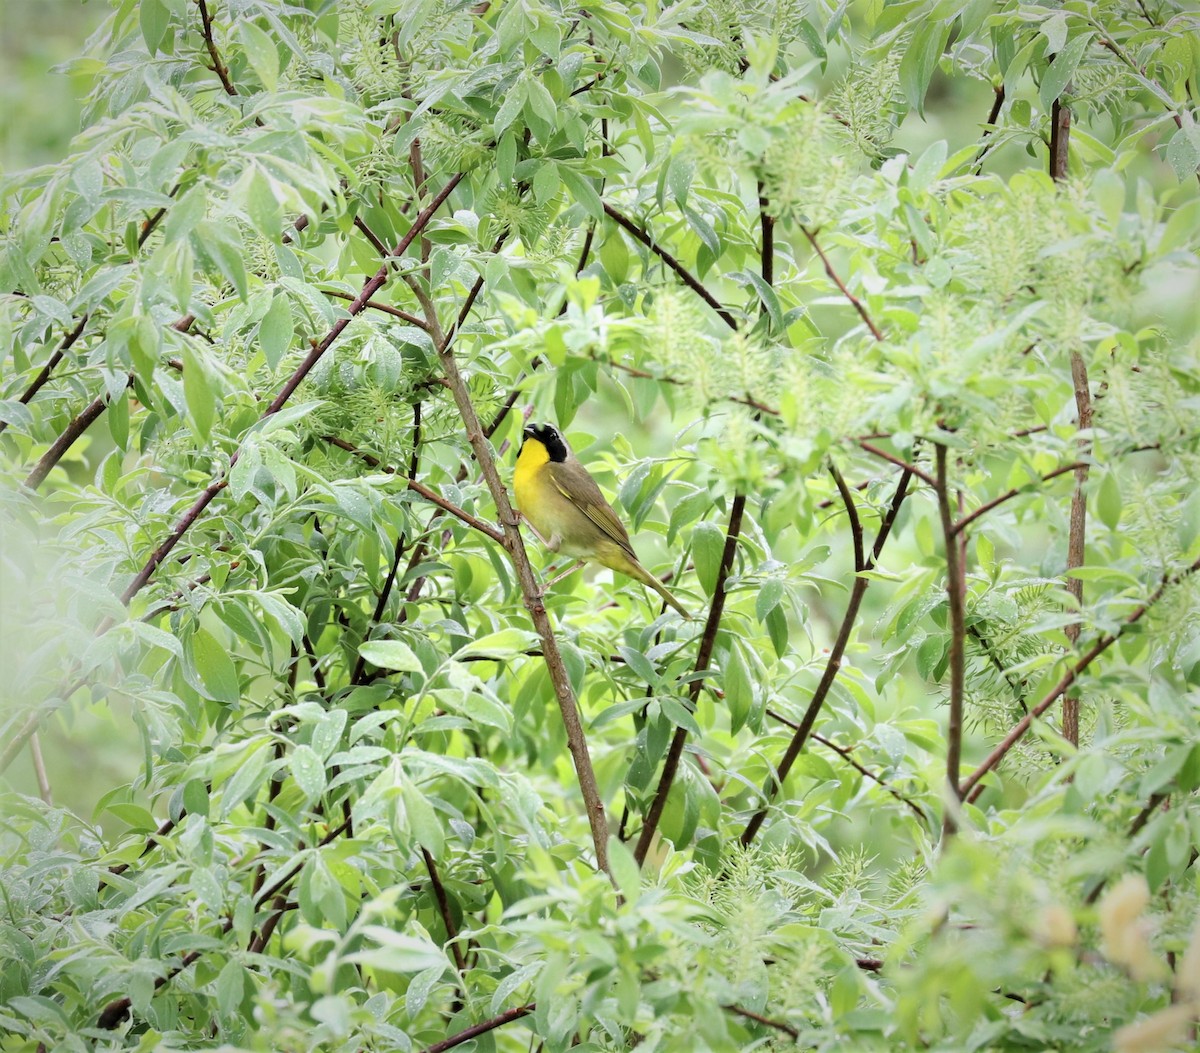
(956,596)
(1069,677)
(703,659)
(685,276)
(854,301)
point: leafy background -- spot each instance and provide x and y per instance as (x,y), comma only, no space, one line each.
(807,285)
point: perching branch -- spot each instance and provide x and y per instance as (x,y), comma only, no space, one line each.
(834,662)
(1086,659)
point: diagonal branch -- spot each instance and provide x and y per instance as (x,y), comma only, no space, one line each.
(855,302)
(420,488)
(703,659)
(971,785)
(1008,495)
(44,373)
(686,276)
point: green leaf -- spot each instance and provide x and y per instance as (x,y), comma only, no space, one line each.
(308,771)
(214,667)
(739,693)
(276,330)
(920,60)
(502,645)
(1108,500)
(391,654)
(199,391)
(1059,73)
(625,870)
(581,189)
(545,182)
(154,17)
(708,546)
(260,51)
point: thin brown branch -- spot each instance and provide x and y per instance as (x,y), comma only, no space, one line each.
(80,424)
(475,1030)
(703,660)
(44,373)
(39,769)
(70,435)
(386,308)
(218,65)
(855,302)
(899,462)
(1008,495)
(686,276)
(833,663)
(559,678)
(956,599)
(420,488)
(1139,820)
(1101,645)
(1077,536)
(848,756)
(758,1018)
(443,902)
(997,104)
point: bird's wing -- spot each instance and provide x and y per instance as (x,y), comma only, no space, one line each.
(572,480)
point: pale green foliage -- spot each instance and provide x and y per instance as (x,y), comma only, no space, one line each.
(341,813)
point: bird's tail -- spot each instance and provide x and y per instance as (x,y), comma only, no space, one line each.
(646,578)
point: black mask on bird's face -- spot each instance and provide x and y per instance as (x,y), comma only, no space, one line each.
(550,437)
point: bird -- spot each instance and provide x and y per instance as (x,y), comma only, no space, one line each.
(559,499)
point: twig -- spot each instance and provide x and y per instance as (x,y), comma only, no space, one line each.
(703,659)
(443,902)
(1069,678)
(997,103)
(507,1017)
(86,418)
(848,756)
(386,308)
(1008,495)
(899,462)
(218,66)
(834,662)
(39,768)
(956,598)
(1139,820)
(420,488)
(686,276)
(44,373)
(758,1018)
(855,302)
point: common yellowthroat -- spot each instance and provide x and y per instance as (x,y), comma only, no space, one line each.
(567,511)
